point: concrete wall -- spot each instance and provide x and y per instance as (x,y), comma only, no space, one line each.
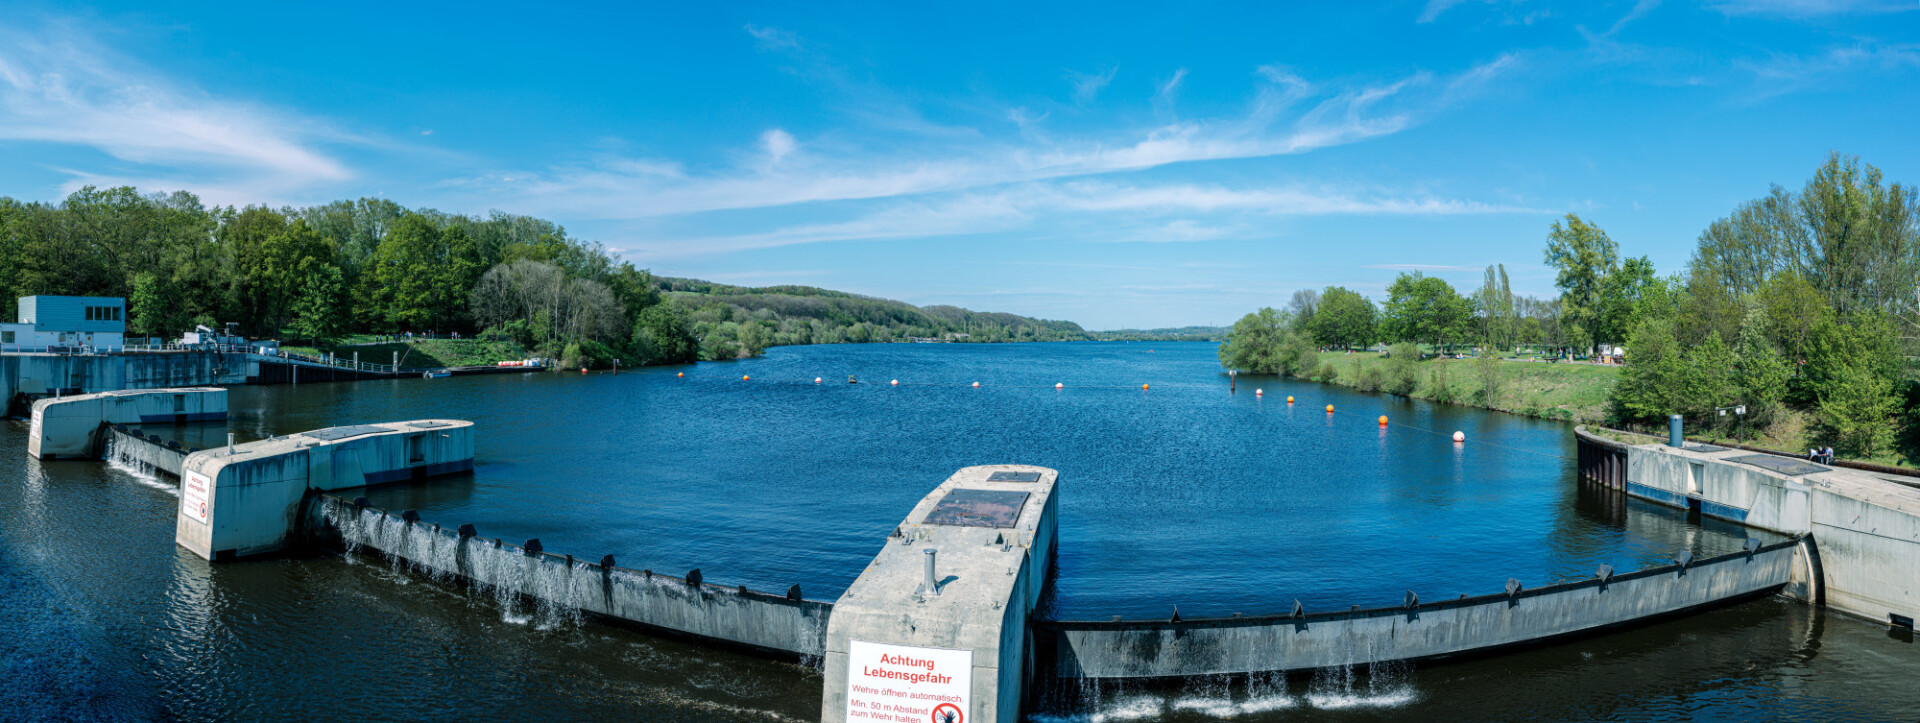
(734,615)
(68,374)
(1865,549)
(1165,649)
(247,501)
(70,427)
(152,453)
(991,578)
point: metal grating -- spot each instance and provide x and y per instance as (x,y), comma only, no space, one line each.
(978,508)
(1014,477)
(337,433)
(1704,448)
(1783,465)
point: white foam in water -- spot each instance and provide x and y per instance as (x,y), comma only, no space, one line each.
(1340,701)
(138,471)
(1120,709)
(1224,708)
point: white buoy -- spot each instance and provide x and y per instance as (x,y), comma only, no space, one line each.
(816,380)
(895,382)
(1258,392)
(1459,436)
(976,385)
(1058,385)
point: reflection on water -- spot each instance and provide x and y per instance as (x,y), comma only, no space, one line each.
(1181,495)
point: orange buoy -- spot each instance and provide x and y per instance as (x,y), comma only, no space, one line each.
(683,375)
(895,382)
(1143,387)
(1459,437)
(1383,420)
(1329,409)
(1289,400)
(976,385)
(745,378)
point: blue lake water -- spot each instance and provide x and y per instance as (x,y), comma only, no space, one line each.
(1181,494)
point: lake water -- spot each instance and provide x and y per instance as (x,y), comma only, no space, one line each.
(1181,494)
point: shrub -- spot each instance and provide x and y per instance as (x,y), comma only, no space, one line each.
(1326,372)
(1402,378)
(1370,379)
(1440,384)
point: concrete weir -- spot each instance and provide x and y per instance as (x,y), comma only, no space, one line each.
(784,625)
(1414,631)
(935,629)
(71,427)
(1861,553)
(246,499)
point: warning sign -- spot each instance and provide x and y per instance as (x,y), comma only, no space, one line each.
(902,684)
(193,495)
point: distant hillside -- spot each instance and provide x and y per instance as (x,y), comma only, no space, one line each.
(1184,333)
(794,315)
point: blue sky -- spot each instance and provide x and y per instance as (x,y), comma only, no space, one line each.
(1112,164)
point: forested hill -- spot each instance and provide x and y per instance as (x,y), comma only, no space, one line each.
(791,315)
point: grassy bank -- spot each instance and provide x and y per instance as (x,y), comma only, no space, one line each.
(1568,392)
(425,353)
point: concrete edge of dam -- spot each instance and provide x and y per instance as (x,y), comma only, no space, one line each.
(1419,630)
(785,626)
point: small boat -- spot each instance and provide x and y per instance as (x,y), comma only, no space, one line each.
(435,374)
(851,380)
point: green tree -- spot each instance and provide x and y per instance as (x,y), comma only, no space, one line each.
(318,313)
(1654,382)
(1623,294)
(662,335)
(1858,411)
(1402,374)
(1343,319)
(1254,343)
(1762,371)
(154,307)
(1427,309)
(753,338)
(1584,257)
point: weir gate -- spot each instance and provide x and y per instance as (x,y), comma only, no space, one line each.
(940,627)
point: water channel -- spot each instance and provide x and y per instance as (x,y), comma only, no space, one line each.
(1180,494)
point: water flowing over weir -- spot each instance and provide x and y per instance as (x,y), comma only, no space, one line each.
(562,588)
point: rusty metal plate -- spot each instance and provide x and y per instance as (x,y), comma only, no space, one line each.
(978,508)
(1014,477)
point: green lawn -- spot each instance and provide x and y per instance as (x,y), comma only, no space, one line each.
(1564,391)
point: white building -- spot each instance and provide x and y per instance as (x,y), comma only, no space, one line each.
(67,323)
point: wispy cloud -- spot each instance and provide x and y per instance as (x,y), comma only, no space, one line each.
(1421,267)
(773,38)
(1640,10)
(1780,74)
(59,86)
(625,188)
(1087,86)
(1097,210)
(1811,8)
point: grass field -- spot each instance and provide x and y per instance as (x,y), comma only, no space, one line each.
(1565,391)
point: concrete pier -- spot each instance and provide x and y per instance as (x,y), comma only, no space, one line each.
(935,629)
(246,500)
(71,427)
(1862,555)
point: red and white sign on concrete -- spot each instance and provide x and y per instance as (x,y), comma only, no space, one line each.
(905,684)
(193,495)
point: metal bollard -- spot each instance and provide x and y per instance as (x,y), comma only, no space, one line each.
(931,584)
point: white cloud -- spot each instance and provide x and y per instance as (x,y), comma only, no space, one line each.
(779,144)
(1164,96)
(622,188)
(1783,73)
(1087,86)
(58,86)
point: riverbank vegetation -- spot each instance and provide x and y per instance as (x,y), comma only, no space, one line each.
(1794,324)
(319,276)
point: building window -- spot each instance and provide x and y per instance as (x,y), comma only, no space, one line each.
(6,337)
(90,313)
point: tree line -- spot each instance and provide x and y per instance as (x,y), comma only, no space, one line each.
(1802,307)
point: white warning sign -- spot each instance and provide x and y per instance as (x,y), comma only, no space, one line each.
(903,684)
(193,496)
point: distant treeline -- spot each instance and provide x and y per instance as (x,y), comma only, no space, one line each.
(320,273)
(1799,308)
